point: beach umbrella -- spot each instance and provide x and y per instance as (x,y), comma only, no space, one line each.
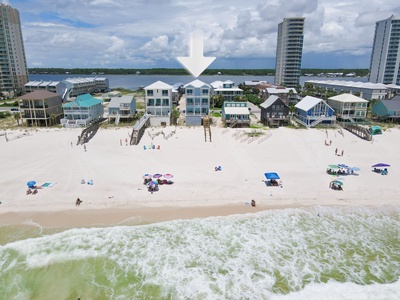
(333,166)
(168,176)
(271,175)
(147,176)
(157,175)
(380,165)
(31,183)
(342,166)
(337,182)
(355,169)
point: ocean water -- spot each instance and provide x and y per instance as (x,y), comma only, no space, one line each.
(310,253)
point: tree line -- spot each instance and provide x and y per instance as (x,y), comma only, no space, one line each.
(181,71)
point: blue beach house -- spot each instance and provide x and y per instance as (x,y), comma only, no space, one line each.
(197,101)
(311,111)
(82,111)
(387,109)
(235,113)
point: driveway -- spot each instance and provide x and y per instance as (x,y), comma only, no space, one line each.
(254,109)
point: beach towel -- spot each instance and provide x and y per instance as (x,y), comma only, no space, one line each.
(47,184)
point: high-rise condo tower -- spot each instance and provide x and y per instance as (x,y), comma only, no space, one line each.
(289,51)
(13,70)
(385,57)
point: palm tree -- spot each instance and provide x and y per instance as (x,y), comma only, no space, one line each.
(17,117)
(52,119)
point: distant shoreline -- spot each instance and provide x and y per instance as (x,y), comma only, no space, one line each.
(181,71)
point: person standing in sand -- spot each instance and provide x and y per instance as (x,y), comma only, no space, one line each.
(253,203)
(78,202)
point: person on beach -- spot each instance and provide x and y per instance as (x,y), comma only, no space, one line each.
(336,151)
(342,152)
(84,147)
(253,203)
(78,202)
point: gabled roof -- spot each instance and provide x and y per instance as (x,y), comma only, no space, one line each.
(347,98)
(391,104)
(158,85)
(197,84)
(271,100)
(85,100)
(39,95)
(308,102)
(116,101)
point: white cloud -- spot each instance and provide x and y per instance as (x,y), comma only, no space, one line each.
(124,32)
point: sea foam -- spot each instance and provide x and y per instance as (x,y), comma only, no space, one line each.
(277,254)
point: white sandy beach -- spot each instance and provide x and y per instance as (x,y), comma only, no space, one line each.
(299,156)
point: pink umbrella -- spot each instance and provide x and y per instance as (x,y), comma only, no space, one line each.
(168,176)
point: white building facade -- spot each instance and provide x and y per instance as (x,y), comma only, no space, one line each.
(385,57)
(158,97)
(289,52)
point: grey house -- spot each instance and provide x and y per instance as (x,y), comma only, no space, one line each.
(121,108)
(274,112)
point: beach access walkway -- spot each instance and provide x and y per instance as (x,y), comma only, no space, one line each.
(139,128)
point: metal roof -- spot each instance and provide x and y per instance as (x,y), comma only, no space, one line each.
(236,110)
(347,98)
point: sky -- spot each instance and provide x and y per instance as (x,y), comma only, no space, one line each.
(153,33)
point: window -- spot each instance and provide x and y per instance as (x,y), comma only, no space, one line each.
(189,92)
(165,93)
(189,101)
(150,102)
(204,91)
(158,102)
(149,92)
(165,102)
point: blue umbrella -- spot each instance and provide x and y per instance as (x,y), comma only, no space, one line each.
(271,176)
(31,183)
(342,166)
(380,165)
(355,169)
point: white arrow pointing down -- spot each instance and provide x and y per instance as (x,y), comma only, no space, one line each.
(196,63)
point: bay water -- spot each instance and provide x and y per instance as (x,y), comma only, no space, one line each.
(306,253)
(134,82)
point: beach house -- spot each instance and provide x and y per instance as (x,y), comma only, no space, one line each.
(158,99)
(287,95)
(348,108)
(40,108)
(121,108)
(82,111)
(226,89)
(197,101)
(311,111)
(387,110)
(274,112)
(235,113)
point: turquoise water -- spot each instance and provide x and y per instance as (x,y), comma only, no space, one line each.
(316,253)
